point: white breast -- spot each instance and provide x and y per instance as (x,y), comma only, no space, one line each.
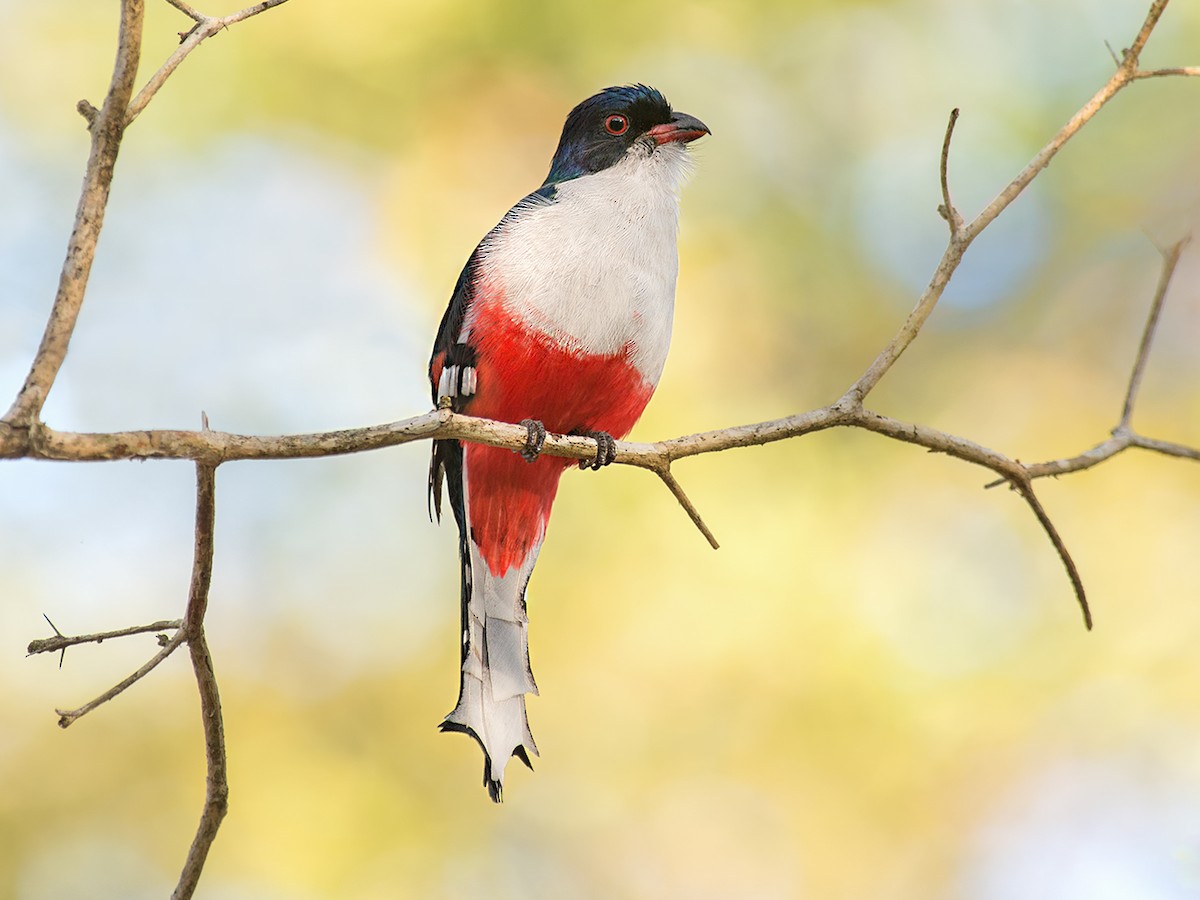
(595,269)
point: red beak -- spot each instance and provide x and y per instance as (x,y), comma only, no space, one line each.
(682,128)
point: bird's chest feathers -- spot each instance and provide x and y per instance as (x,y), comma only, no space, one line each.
(594,270)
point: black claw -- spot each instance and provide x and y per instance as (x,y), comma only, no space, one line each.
(535,439)
(606,450)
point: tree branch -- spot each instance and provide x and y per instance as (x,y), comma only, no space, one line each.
(947,210)
(961,238)
(1123,436)
(1166,448)
(67,717)
(187,10)
(216,784)
(107,128)
(205,27)
(1009,471)
(1185,71)
(1025,488)
(1170,261)
(694,514)
(62,642)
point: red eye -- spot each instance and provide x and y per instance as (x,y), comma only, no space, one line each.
(616,124)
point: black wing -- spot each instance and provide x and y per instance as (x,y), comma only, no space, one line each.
(451,357)
(454,360)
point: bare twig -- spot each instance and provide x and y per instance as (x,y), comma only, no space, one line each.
(1170,261)
(107,127)
(1106,449)
(1123,436)
(1166,448)
(694,514)
(61,641)
(947,210)
(67,717)
(1185,71)
(187,10)
(1119,442)
(216,784)
(1025,488)
(961,239)
(1009,471)
(205,27)
(1124,76)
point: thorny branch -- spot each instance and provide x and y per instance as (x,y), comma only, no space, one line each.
(62,642)
(23,435)
(66,717)
(189,630)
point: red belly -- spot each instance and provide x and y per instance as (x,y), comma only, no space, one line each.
(523,374)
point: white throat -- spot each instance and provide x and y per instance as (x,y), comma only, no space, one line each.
(595,269)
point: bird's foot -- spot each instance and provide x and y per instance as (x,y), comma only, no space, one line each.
(606,449)
(535,439)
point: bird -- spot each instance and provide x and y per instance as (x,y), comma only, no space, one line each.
(560,320)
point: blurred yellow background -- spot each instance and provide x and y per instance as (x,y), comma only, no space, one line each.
(879,686)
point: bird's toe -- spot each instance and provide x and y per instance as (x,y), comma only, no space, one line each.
(535,439)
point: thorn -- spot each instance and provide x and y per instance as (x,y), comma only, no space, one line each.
(63,655)
(675,488)
(1113,53)
(52,625)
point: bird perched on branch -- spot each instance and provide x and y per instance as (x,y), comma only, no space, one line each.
(560,320)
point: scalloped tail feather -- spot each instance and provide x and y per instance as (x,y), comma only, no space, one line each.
(496,674)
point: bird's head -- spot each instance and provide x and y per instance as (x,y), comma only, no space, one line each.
(601,130)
